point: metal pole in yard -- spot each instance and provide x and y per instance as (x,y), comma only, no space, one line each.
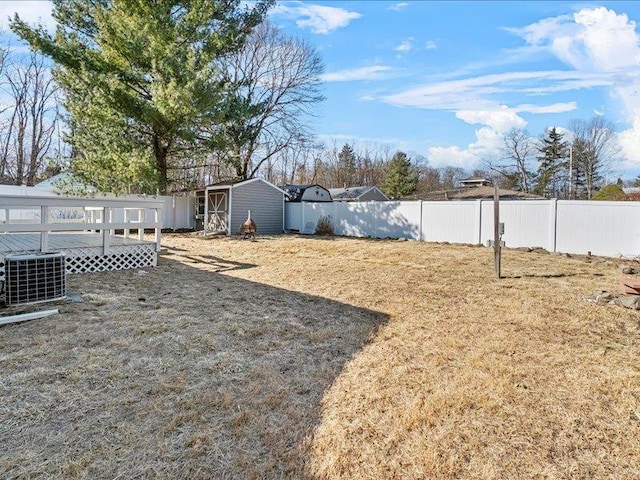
(497,250)
(570,171)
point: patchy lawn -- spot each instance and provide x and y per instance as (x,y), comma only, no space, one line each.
(327,358)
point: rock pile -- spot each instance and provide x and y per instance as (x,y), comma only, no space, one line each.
(629,295)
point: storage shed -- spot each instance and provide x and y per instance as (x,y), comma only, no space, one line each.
(225,206)
(306,193)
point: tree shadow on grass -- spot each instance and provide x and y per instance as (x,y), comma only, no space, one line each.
(180,373)
(219,264)
(541,275)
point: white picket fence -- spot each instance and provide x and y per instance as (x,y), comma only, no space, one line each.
(568,226)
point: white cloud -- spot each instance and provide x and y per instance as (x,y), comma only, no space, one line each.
(478,93)
(318,18)
(500,120)
(486,147)
(546,30)
(431,45)
(561,107)
(592,39)
(405,46)
(32,12)
(398,6)
(373,72)
(489,138)
(565,132)
(602,42)
(629,141)
(601,49)
(609,40)
(451,156)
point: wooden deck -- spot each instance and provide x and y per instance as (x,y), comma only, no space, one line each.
(85,250)
(30,242)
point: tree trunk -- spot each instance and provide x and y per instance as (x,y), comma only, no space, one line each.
(160,152)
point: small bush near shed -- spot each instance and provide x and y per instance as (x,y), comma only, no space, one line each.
(324,226)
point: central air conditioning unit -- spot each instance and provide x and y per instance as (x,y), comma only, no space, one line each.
(32,278)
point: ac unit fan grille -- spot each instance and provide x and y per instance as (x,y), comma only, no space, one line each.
(34,278)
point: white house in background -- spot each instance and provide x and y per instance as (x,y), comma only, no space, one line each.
(475,182)
(358,194)
(63,182)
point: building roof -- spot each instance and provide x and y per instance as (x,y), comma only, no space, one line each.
(475,179)
(352,193)
(294,192)
(477,193)
(65,180)
(237,183)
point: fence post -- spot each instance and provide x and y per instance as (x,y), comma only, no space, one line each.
(553,224)
(497,247)
(44,234)
(127,217)
(420,237)
(142,218)
(106,214)
(158,230)
(173,212)
(479,221)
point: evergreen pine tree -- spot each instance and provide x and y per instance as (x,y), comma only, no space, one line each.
(139,76)
(401,179)
(347,167)
(552,169)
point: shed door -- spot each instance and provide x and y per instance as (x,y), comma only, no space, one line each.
(218,212)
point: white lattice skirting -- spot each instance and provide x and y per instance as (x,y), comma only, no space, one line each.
(91,259)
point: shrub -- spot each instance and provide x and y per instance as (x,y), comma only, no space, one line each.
(324,226)
(610,192)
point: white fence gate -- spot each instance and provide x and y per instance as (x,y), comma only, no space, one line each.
(569,226)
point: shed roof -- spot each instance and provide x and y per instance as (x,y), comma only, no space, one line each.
(64,180)
(238,183)
(295,192)
(351,193)
(475,180)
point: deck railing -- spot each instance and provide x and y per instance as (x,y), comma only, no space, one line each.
(47,214)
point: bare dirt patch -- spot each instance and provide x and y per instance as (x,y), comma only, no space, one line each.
(327,358)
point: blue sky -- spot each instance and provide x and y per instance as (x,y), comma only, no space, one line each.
(446,80)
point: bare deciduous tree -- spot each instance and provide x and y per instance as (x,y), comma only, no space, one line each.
(28,126)
(512,169)
(594,148)
(517,153)
(277,80)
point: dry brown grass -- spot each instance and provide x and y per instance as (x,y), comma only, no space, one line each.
(328,358)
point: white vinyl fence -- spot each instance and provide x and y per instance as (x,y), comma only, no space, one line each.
(568,226)
(177,211)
